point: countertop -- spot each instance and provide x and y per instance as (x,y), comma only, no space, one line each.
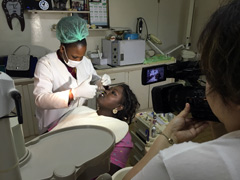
(131,67)
(126,68)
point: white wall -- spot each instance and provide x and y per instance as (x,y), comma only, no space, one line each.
(203,10)
(165,19)
(37,32)
(172,20)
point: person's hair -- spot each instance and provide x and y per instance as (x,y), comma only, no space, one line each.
(219,46)
(130,104)
(83,42)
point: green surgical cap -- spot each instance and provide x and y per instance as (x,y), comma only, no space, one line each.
(71,29)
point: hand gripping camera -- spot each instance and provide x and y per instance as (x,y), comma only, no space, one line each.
(173,97)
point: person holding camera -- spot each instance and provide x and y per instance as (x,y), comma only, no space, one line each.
(173,155)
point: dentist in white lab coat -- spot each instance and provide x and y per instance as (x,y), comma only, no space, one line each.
(64,79)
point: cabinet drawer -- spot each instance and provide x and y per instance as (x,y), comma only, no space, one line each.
(139,145)
(120,77)
(134,157)
(142,129)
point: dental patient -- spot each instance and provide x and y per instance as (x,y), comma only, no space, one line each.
(116,107)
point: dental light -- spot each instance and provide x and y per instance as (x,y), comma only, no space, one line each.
(152,40)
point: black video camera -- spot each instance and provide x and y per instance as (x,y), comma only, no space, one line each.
(173,97)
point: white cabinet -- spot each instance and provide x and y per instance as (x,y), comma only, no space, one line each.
(25,87)
(116,78)
(33,108)
(142,92)
(25,106)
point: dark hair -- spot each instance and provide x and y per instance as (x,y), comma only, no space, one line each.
(219,45)
(83,42)
(130,104)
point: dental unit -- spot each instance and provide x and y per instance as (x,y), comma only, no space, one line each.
(78,158)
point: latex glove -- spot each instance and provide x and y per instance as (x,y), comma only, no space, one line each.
(85,90)
(106,80)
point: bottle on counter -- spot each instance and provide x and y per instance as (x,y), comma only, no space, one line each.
(153,129)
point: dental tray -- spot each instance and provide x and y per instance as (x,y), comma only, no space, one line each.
(80,151)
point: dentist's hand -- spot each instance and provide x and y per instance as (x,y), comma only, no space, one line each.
(106,80)
(85,90)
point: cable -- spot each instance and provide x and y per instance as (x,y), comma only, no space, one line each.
(139,27)
(146,26)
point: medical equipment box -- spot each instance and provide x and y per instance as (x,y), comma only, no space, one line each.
(124,52)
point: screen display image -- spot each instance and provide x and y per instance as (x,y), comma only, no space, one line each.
(155,75)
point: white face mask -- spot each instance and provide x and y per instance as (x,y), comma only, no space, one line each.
(71,63)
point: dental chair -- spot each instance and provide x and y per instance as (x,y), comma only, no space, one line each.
(64,154)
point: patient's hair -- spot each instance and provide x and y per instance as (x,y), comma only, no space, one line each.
(219,45)
(130,104)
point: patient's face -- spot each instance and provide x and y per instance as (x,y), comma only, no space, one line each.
(111,98)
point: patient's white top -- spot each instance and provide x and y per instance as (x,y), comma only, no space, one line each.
(86,116)
(218,159)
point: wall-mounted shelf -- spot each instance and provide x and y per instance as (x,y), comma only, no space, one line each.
(57,12)
(98,29)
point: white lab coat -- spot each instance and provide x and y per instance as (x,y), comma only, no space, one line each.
(52,82)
